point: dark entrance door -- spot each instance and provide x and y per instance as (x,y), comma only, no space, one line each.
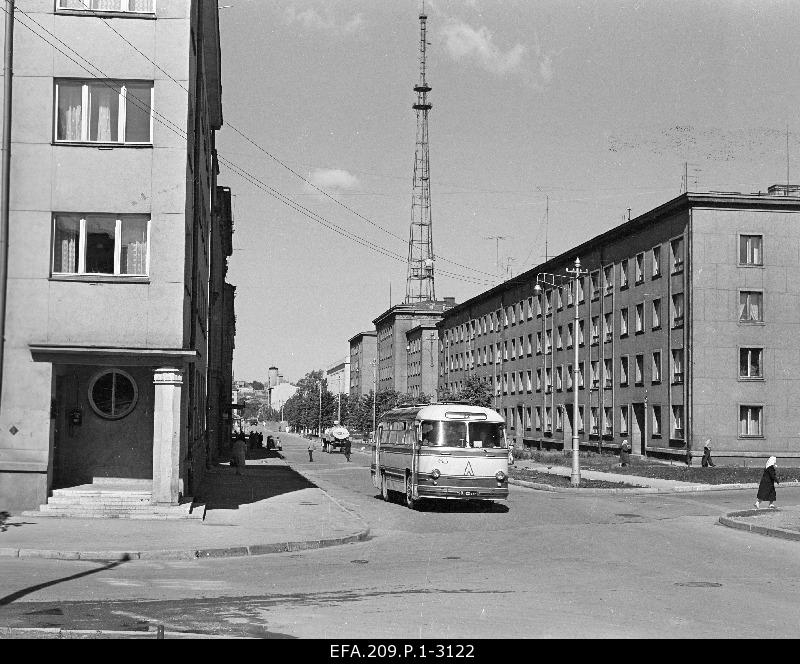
(60,424)
(638,429)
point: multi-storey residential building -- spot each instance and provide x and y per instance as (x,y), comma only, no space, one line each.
(363,352)
(338,376)
(113,198)
(421,359)
(391,328)
(687,317)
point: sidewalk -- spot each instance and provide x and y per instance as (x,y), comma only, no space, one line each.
(271,508)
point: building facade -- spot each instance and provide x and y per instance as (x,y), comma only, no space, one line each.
(363,352)
(391,328)
(422,360)
(686,318)
(113,204)
(338,376)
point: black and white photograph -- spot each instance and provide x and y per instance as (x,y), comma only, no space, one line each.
(400,329)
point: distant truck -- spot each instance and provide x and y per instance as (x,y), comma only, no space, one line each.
(334,437)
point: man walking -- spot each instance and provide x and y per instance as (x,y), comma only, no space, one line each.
(346,446)
(311,447)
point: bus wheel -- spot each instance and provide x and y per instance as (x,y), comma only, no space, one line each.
(410,502)
(384,488)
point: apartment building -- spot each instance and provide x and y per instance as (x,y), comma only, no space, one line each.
(338,376)
(686,324)
(363,351)
(422,359)
(114,209)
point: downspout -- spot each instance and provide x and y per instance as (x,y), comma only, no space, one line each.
(8,61)
(687,339)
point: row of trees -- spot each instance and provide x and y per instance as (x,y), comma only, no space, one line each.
(312,406)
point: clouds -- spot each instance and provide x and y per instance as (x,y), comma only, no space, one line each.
(311,19)
(333,178)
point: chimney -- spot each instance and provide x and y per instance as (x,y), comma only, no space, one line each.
(449,302)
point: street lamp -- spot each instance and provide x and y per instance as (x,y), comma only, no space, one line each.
(551,279)
(374,364)
(320,408)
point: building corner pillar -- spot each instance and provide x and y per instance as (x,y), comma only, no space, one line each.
(168,384)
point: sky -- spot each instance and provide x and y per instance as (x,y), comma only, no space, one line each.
(550,119)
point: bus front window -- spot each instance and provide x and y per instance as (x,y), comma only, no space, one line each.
(444,434)
(486,434)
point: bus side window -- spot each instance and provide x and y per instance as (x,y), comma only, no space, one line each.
(427,433)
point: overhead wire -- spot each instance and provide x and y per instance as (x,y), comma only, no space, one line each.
(238,170)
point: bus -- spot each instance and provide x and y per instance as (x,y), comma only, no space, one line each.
(449,451)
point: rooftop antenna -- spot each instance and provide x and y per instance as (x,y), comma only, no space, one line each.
(787,158)
(419,280)
(546,227)
(497,239)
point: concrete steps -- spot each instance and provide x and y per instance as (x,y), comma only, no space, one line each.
(99,501)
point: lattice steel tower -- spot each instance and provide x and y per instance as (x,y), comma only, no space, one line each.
(419,283)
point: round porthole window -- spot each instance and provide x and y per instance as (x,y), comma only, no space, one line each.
(113,394)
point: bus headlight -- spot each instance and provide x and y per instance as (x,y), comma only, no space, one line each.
(500,476)
(435,474)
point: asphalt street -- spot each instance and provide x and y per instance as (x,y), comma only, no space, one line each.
(543,565)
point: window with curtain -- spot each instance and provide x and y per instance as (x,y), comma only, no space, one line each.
(751,306)
(100,244)
(751,421)
(104,111)
(132,6)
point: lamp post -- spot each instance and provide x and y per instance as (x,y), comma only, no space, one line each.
(320,409)
(551,279)
(374,364)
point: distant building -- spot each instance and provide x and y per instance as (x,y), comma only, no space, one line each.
(422,351)
(363,351)
(338,377)
(687,327)
(391,328)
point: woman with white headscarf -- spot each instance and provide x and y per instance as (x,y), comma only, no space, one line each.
(766,489)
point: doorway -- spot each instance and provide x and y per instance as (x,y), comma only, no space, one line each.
(638,441)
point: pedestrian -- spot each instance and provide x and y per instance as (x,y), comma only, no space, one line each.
(706,462)
(766,489)
(239,453)
(260,439)
(346,446)
(278,445)
(624,453)
(311,447)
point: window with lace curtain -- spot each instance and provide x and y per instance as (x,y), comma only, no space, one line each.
(128,6)
(751,307)
(104,111)
(100,244)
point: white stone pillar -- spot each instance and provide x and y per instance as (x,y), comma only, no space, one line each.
(167,435)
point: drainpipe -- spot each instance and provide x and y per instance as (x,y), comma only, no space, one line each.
(8,60)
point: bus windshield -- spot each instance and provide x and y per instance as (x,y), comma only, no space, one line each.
(461,434)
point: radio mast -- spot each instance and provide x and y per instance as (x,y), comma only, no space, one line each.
(419,282)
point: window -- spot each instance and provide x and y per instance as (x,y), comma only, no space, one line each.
(559,419)
(677,422)
(751,307)
(656,368)
(608,323)
(751,423)
(100,244)
(656,313)
(677,365)
(569,335)
(750,250)
(133,6)
(559,344)
(559,378)
(595,369)
(538,343)
(608,279)
(528,418)
(505,383)
(581,289)
(639,268)
(548,380)
(623,322)
(594,278)
(656,256)
(570,296)
(656,422)
(580,419)
(640,318)
(529,381)
(538,380)
(676,252)
(530,308)
(539,305)
(538,412)
(548,341)
(560,297)
(623,274)
(579,375)
(623,420)
(505,351)
(639,369)
(513,348)
(623,370)
(521,384)
(750,362)
(548,419)
(595,329)
(608,421)
(512,314)
(677,310)
(113,394)
(548,302)
(528,345)
(570,377)
(581,328)
(99,111)
(593,413)
(608,372)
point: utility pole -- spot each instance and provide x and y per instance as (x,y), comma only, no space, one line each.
(320,410)
(339,405)
(374,395)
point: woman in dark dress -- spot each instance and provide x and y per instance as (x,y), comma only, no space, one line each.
(766,489)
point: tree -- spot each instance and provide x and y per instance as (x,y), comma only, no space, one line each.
(475,392)
(258,385)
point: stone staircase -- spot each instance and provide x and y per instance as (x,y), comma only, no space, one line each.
(114,500)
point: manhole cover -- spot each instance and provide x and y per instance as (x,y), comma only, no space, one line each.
(699,584)
(360,562)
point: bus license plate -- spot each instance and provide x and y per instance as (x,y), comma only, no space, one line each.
(470,493)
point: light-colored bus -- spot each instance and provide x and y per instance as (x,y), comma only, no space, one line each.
(443,450)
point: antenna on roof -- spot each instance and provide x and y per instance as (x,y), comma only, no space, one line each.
(787,158)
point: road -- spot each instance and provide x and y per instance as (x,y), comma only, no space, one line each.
(547,565)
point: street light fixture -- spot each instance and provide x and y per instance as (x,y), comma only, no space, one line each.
(552,279)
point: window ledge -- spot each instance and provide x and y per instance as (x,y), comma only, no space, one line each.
(150,16)
(102,146)
(759,436)
(101,278)
(752,322)
(751,379)
(756,265)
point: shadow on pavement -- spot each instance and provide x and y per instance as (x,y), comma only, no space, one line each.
(222,488)
(454,506)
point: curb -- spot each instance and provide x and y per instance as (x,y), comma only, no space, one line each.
(781,533)
(61,633)
(641,490)
(187,554)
